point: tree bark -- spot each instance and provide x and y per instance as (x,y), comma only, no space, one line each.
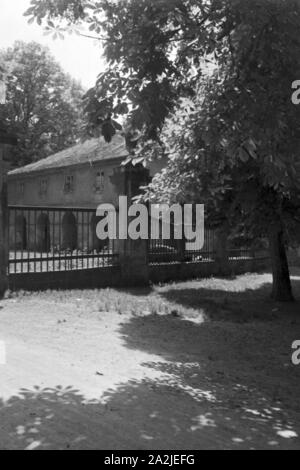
(3,227)
(282,287)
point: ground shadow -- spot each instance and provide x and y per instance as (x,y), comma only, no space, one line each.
(136,291)
(238,307)
(244,305)
(220,384)
(235,364)
(142,415)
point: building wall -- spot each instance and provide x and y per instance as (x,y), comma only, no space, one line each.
(43,231)
(26,189)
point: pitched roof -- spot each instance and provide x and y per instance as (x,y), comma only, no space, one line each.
(90,151)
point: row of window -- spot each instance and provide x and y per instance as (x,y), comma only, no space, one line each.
(69,185)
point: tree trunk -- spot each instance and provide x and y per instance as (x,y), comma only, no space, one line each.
(282,288)
(3,227)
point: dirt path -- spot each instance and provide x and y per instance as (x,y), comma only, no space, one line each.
(81,378)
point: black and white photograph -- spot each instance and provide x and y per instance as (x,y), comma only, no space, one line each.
(149,227)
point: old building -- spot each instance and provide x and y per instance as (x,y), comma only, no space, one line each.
(64,191)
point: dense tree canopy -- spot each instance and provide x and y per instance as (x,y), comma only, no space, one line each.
(43,104)
(208,83)
(141,39)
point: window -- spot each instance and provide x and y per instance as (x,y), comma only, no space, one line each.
(69,184)
(21,189)
(99,185)
(43,187)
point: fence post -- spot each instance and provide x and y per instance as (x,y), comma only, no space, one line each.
(221,258)
(133,254)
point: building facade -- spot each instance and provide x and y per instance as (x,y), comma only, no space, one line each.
(64,191)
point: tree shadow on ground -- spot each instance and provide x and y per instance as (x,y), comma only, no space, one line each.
(221,384)
(141,415)
(136,291)
(240,306)
(235,364)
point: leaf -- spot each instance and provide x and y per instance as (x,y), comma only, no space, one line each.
(243,155)
(116,125)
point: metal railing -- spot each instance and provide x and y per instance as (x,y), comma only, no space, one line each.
(51,239)
(173,251)
(240,253)
(48,239)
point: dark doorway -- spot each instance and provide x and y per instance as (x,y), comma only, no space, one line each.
(69,232)
(21,233)
(43,233)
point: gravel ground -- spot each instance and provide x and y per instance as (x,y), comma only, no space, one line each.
(192,365)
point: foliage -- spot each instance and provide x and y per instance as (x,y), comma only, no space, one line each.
(141,37)
(235,144)
(43,104)
(207,83)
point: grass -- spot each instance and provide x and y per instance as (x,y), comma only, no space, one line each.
(240,299)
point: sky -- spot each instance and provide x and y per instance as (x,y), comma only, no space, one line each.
(79,56)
